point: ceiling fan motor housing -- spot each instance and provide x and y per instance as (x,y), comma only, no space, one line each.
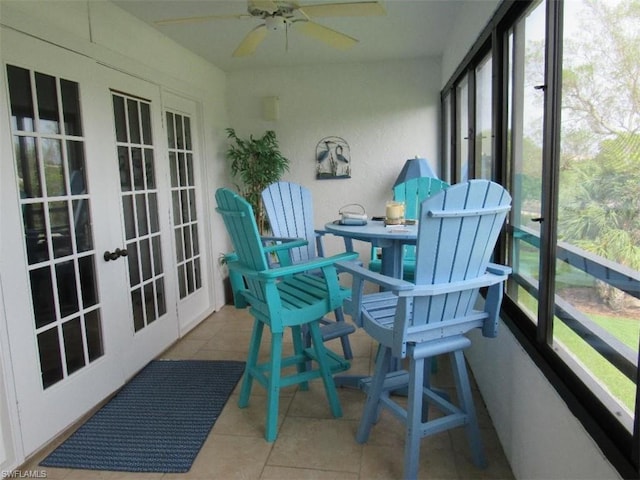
(275,23)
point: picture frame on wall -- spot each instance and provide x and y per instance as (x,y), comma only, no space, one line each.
(333,159)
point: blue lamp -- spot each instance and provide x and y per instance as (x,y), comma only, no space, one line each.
(413,168)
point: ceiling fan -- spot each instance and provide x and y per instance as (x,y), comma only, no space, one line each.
(280,15)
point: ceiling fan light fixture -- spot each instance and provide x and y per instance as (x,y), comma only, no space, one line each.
(275,23)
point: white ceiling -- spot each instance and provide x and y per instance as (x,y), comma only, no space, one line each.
(410,29)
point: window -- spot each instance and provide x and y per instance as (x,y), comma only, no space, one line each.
(183,192)
(557,94)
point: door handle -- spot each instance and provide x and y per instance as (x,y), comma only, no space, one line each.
(117,253)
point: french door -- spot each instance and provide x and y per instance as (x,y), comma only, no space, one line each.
(87,264)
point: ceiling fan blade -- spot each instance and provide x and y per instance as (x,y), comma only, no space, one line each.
(200,19)
(251,41)
(331,37)
(351,9)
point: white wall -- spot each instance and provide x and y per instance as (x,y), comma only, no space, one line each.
(105,33)
(387,112)
(541,438)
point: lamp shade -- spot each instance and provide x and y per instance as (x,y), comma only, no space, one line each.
(413,168)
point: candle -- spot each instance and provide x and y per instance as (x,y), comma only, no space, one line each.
(395,212)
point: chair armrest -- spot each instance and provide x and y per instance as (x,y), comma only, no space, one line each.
(402,288)
(348,242)
(275,273)
(389,283)
(486,280)
(498,269)
(287,244)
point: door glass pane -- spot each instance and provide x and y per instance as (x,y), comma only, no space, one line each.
(94,334)
(484,128)
(598,269)
(44,306)
(21,98)
(124,167)
(133,121)
(50,357)
(36,238)
(120,121)
(53,167)
(526,105)
(60,253)
(67,288)
(48,114)
(71,107)
(28,167)
(60,229)
(73,345)
(139,208)
(88,281)
(185,219)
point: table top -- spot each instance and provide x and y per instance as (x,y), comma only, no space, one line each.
(375,230)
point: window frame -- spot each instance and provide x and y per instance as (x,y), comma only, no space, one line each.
(621,448)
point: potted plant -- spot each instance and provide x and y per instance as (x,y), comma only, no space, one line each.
(258,163)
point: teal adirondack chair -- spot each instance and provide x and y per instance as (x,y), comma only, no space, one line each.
(289,208)
(411,192)
(458,231)
(289,296)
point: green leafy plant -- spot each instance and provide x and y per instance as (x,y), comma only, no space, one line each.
(257,163)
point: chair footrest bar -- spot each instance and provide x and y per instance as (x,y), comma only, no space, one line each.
(331,330)
(337,363)
(392,381)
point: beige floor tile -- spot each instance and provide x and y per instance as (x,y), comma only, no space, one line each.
(386,462)
(323,444)
(313,403)
(311,444)
(184,350)
(285,473)
(229,457)
(249,421)
(498,468)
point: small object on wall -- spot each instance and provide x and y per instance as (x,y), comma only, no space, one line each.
(270,108)
(333,159)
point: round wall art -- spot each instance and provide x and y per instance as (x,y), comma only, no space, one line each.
(333,158)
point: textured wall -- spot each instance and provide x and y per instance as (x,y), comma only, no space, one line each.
(387,112)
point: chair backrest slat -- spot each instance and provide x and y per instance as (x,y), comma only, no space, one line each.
(289,207)
(412,193)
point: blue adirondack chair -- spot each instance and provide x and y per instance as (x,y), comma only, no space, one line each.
(417,321)
(289,296)
(412,193)
(289,208)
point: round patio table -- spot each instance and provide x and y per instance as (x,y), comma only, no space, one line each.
(390,239)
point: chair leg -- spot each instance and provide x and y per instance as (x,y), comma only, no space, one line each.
(298,349)
(344,340)
(370,412)
(325,369)
(273,389)
(414,418)
(465,398)
(252,360)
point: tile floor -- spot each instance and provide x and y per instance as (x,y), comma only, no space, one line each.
(311,444)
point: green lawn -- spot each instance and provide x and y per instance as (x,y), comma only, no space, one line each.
(618,384)
(625,329)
